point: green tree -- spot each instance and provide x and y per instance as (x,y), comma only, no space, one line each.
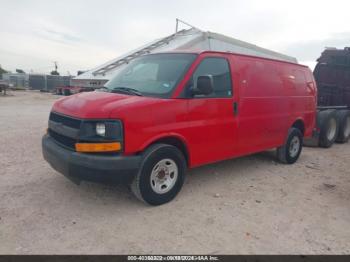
(2,71)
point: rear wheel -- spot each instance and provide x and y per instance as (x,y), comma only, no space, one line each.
(344,126)
(161,175)
(290,151)
(328,123)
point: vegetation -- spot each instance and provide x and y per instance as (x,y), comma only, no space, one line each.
(20,71)
(2,71)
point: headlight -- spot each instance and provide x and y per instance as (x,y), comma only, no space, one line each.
(101,129)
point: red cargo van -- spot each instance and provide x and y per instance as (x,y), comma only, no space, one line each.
(166,112)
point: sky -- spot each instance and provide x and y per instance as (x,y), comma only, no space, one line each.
(82,34)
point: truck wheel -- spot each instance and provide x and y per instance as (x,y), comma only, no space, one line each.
(328,124)
(344,126)
(161,175)
(290,152)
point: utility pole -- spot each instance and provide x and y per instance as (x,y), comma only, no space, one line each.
(55,72)
(56,66)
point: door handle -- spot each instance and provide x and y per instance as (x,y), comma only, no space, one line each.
(235,108)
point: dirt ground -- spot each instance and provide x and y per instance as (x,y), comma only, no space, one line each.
(250,205)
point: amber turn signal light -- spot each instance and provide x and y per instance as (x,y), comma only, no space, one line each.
(97,147)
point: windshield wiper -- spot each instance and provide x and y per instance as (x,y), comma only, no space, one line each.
(126,90)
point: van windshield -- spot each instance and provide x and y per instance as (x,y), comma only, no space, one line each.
(151,75)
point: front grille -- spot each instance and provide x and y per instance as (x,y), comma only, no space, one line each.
(65,120)
(63,140)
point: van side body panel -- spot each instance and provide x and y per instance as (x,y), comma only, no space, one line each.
(263,115)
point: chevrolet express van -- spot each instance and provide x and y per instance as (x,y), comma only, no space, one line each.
(167,112)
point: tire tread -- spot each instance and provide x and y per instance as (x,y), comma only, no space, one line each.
(149,153)
(282,151)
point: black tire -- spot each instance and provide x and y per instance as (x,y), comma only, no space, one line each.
(327,122)
(343,117)
(285,154)
(141,185)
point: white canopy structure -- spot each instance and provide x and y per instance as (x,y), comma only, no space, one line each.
(191,39)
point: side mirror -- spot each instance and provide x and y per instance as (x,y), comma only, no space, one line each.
(204,85)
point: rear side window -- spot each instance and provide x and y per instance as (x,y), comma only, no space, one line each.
(219,69)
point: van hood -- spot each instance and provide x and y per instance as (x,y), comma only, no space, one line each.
(95,105)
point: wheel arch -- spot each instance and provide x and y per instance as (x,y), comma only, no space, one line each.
(299,124)
(171,139)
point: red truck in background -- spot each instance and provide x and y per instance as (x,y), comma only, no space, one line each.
(166,112)
(71,90)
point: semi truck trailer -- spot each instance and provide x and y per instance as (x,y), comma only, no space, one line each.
(332,76)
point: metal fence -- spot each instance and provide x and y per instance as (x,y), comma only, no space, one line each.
(17,80)
(48,82)
(36,81)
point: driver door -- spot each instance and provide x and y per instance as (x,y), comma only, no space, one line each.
(212,118)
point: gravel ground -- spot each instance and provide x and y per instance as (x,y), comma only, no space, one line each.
(250,205)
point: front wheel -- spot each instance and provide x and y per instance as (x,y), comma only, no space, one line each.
(290,151)
(161,175)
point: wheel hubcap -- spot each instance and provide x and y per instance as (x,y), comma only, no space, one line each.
(294,147)
(332,129)
(164,175)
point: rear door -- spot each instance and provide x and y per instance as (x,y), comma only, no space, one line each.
(212,120)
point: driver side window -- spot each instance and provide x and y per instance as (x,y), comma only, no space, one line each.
(218,68)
